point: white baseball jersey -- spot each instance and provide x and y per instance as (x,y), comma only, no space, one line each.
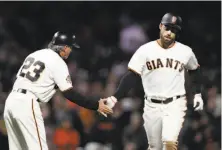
(40,72)
(162,70)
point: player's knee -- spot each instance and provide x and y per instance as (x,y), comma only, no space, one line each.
(170,145)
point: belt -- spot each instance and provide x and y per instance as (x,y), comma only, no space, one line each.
(166,101)
(24,91)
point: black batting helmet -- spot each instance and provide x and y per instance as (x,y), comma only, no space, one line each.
(64,39)
(172,20)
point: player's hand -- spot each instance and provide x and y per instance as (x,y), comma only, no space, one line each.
(111,101)
(198,100)
(103,108)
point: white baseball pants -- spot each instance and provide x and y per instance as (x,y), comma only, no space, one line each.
(24,122)
(163,122)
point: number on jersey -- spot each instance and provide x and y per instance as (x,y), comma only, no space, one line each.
(32,74)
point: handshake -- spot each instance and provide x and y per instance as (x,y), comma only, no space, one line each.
(106,105)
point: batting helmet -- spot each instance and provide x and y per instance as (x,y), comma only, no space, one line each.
(64,39)
(172,20)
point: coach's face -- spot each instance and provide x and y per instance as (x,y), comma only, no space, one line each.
(65,52)
(167,33)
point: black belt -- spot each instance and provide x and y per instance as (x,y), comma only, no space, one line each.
(24,91)
(166,101)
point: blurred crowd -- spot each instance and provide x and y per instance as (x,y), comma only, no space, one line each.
(109,33)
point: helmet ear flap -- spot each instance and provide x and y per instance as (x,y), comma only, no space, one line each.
(177,36)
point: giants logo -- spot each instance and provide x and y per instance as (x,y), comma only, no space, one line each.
(170,63)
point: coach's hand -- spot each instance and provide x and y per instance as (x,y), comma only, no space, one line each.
(198,102)
(103,108)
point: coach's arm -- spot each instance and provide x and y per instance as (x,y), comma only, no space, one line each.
(81,100)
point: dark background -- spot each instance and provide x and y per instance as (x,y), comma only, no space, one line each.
(109,33)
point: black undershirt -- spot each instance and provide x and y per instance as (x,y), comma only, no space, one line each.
(196,80)
(80,100)
(129,80)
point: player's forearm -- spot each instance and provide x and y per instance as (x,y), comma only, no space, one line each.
(80,100)
(128,81)
(196,79)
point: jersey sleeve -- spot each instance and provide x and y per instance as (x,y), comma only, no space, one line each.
(61,75)
(192,63)
(137,62)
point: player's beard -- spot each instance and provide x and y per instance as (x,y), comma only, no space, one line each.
(166,42)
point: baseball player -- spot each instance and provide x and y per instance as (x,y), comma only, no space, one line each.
(37,79)
(159,66)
